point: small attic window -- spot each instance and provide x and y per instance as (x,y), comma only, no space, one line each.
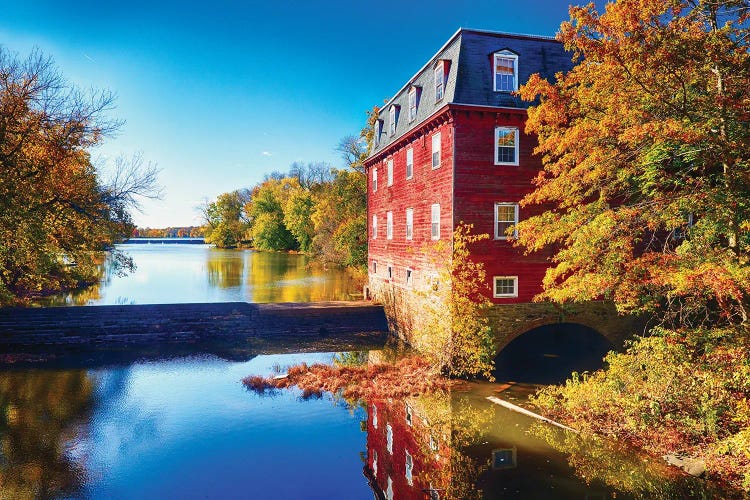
(441,73)
(393,113)
(377,129)
(505,64)
(414,94)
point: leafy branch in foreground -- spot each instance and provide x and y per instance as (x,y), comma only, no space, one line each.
(453,330)
(646,153)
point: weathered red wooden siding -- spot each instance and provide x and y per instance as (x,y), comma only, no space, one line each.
(413,438)
(479,184)
(426,187)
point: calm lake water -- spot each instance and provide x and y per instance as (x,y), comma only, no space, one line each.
(174,273)
(185,427)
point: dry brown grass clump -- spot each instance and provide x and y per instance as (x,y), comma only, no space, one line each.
(408,377)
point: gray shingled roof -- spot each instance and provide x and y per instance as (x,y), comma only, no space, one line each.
(470,77)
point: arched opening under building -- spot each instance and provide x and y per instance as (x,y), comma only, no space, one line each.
(549,354)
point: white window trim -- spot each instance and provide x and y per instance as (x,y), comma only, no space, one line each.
(413,95)
(439,76)
(436,140)
(409,155)
(409,467)
(375,271)
(378,128)
(392,114)
(374,416)
(389,177)
(374,179)
(374,227)
(515,141)
(389,271)
(503,296)
(389,225)
(434,236)
(515,220)
(389,438)
(409,277)
(409,223)
(505,54)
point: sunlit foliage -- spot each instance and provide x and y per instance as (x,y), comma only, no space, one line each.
(453,330)
(686,391)
(646,151)
(57,213)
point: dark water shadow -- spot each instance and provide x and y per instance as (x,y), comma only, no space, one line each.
(549,354)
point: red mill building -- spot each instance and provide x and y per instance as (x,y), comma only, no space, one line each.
(450,147)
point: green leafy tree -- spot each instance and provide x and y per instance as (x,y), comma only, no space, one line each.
(226,219)
(339,219)
(268,230)
(298,209)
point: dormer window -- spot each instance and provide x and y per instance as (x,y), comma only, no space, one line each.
(377,129)
(414,94)
(393,118)
(505,65)
(440,76)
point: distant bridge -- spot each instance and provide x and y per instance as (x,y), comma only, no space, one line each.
(166,241)
(230,329)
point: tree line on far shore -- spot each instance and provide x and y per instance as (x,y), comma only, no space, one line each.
(312,208)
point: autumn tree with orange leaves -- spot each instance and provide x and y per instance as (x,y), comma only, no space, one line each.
(646,152)
(58,211)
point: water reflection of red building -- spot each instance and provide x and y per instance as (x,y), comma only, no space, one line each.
(408,452)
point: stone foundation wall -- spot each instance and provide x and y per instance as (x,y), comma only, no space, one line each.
(510,321)
(404,309)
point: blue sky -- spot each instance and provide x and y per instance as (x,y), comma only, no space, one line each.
(219,93)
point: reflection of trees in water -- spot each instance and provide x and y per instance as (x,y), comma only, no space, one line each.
(281,277)
(225,268)
(41,414)
(605,460)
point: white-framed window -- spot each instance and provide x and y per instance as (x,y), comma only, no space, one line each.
(504,286)
(374,267)
(506,215)
(436,150)
(374,179)
(409,415)
(377,129)
(389,225)
(409,163)
(506,71)
(389,272)
(439,80)
(409,467)
(375,463)
(389,438)
(435,221)
(506,146)
(374,227)
(409,277)
(433,443)
(393,118)
(409,223)
(389,172)
(374,416)
(389,490)
(413,102)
